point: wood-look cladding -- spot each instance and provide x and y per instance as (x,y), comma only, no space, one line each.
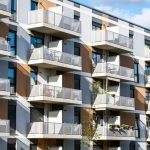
(22,80)
(4,30)
(126,61)
(105,24)
(127,118)
(68,80)
(86,54)
(42,144)
(3,109)
(86,117)
(139,95)
(45,4)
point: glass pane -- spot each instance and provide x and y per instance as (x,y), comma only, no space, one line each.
(34,5)
(33,77)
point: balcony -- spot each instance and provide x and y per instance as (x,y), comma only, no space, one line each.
(147,105)
(103,70)
(108,40)
(4,9)
(148,135)
(147,53)
(49,130)
(4,87)
(4,128)
(55,24)
(109,133)
(107,101)
(147,78)
(4,48)
(52,94)
(53,59)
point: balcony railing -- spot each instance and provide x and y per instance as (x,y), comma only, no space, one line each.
(4,45)
(5,5)
(55,92)
(147,51)
(113,100)
(148,134)
(114,69)
(112,37)
(48,128)
(56,56)
(116,133)
(147,77)
(4,85)
(4,127)
(52,18)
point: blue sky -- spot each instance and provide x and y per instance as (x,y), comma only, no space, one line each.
(137,11)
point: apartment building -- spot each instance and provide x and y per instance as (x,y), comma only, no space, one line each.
(67,68)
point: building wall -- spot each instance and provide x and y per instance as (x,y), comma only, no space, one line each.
(48,76)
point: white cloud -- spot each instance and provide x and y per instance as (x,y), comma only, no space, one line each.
(142,18)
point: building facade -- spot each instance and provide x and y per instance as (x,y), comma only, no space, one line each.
(68,70)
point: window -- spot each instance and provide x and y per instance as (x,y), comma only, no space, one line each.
(77,115)
(11,144)
(34,5)
(76,17)
(132,91)
(33,146)
(37,114)
(12,40)
(96,25)
(77,145)
(77,49)
(13,6)
(137,126)
(148,95)
(37,41)
(33,78)
(136,72)
(12,77)
(12,115)
(77,82)
(96,57)
(147,70)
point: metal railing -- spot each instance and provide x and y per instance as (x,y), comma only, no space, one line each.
(53,55)
(112,37)
(107,131)
(5,5)
(148,133)
(114,100)
(114,69)
(52,18)
(147,79)
(54,148)
(55,92)
(4,45)
(147,51)
(4,126)
(49,128)
(4,85)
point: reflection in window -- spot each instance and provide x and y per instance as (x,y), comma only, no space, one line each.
(12,78)
(13,6)
(37,42)
(34,5)
(136,72)
(33,78)
(96,58)
(12,41)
